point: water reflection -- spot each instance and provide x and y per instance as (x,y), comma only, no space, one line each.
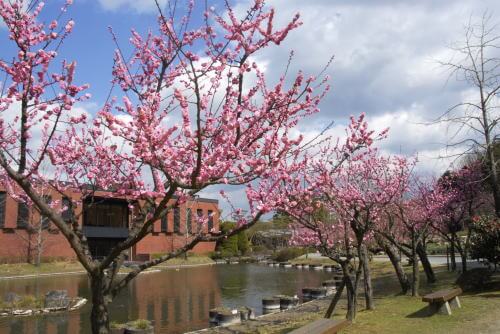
(177,301)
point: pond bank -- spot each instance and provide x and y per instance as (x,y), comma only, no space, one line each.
(26,270)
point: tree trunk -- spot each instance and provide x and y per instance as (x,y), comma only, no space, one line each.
(351,301)
(335,300)
(367,278)
(462,250)
(28,253)
(39,246)
(351,293)
(429,272)
(99,316)
(395,259)
(452,253)
(464,261)
(415,273)
(491,161)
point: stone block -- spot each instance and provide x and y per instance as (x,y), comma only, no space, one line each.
(57,299)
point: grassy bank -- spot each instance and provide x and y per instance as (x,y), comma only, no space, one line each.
(309,261)
(194,260)
(22,269)
(395,313)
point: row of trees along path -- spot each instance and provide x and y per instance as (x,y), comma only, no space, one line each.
(348,198)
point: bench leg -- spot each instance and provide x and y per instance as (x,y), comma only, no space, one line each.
(455,303)
(444,308)
(441,308)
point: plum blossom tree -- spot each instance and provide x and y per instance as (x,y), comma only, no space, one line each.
(412,214)
(196,111)
(360,192)
(467,196)
(328,211)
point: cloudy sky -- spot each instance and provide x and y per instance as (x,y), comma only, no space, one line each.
(386,59)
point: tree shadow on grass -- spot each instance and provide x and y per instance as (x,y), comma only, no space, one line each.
(489,295)
(489,291)
(424,312)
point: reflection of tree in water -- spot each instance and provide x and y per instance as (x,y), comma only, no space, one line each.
(190,306)
(61,323)
(177,301)
(164,312)
(150,310)
(177,310)
(16,326)
(201,305)
(233,282)
(41,325)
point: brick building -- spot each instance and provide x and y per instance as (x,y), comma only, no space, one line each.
(105,222)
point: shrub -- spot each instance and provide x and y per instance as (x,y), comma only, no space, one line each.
(288,254)
(485,239)
(25,302)
(243,243)
(140,324)
(233,246)
(116,325)
(474,279)
(259,249)
(436,248)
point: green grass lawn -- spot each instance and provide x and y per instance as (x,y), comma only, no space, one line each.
(20,269)
(190,261)
(303,260)
(405,314)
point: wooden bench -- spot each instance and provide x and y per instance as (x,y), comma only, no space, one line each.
(442,301)
(322,326)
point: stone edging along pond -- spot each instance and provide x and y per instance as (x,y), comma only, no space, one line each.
(76,303)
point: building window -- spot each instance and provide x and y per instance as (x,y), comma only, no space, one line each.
(210,220)
(23,213)
(45,220)
(164,223)
(199,214)
(189,220)
(68,213)
(177,219)
(3,198)
(106,212)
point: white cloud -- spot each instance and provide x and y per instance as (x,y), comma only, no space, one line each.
(139,6)
(411,134)
(386,65)
(11,119)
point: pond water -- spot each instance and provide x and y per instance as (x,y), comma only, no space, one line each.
(177,300)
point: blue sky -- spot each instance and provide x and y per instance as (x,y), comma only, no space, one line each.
(91,44)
